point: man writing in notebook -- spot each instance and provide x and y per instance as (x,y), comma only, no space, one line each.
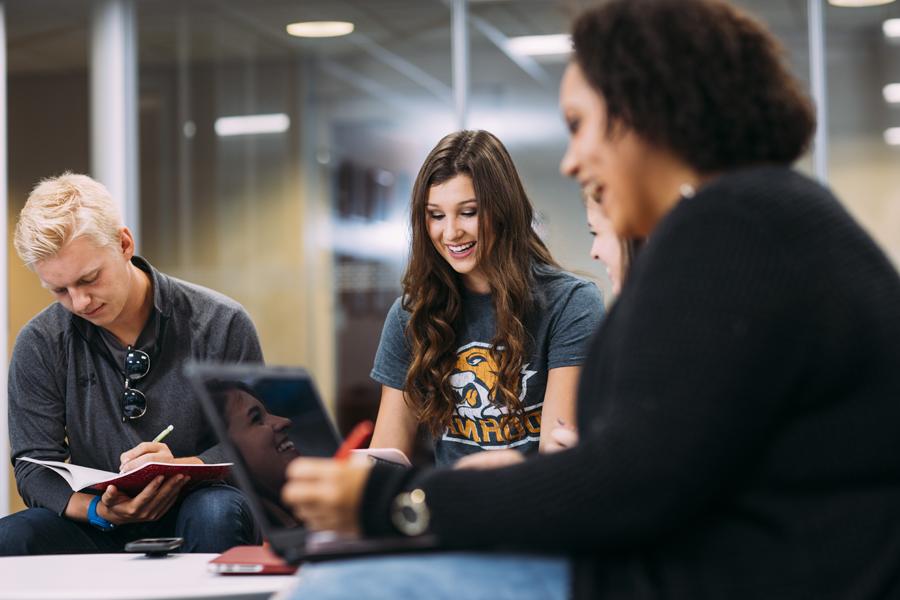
(97,375)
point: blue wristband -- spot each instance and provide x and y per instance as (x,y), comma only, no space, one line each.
(95,519)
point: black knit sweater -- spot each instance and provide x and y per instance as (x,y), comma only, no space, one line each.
(739,417)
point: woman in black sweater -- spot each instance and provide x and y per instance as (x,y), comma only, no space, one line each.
(739,410)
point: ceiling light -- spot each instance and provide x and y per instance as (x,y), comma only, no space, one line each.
(892,136)
(252,124)
(540,45)
(891,28)
(320,29)
(891,93)
(858,3)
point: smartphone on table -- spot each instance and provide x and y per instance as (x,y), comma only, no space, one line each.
(155,547)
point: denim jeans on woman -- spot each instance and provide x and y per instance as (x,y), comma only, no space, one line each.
(438,576)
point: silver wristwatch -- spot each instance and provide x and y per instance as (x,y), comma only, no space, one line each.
(410,514)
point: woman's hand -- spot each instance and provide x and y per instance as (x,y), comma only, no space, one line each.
(562,436)
(559,405)
(326,494)
(490,459)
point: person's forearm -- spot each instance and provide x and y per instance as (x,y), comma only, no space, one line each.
(559,405)
(41,487)
(617,488)
(77,508)
(396,423)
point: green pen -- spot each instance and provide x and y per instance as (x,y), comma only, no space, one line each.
(162,434)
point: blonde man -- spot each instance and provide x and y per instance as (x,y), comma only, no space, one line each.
(97,373)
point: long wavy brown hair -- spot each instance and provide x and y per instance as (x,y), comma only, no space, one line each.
(507,253)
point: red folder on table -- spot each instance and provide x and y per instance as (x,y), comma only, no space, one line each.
(250,560)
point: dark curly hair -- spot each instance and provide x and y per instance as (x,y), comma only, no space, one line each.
(698,77)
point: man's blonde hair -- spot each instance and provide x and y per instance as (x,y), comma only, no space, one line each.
(60,209)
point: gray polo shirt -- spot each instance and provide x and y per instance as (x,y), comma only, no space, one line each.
(65,386)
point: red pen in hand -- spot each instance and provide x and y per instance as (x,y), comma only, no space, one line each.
(355,440)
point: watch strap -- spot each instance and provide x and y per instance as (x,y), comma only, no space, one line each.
(95,519)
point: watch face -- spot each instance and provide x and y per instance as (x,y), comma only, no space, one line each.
(410,514)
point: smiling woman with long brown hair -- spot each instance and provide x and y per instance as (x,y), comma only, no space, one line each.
(738,410)
(486,342)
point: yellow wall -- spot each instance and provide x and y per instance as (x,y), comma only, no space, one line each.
(26,297)
(864,175)
(46,137)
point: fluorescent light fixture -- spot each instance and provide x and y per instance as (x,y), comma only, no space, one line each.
(252,124)
(540,45)
(891,28)
(892,136)
(858,3)
(320,29)
(891,93)
(383,239)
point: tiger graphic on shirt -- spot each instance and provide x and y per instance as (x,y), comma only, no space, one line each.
(477,420)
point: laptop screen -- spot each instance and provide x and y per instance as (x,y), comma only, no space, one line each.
(264,417)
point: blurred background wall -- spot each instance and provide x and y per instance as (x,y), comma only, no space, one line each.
(302,216)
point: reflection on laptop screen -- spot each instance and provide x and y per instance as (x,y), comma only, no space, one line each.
(264,418)
(267,421)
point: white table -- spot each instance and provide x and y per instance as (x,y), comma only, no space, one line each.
(128,577)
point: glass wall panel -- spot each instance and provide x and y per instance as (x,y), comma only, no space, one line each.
(381,102)
(788,20)
(864,165)
(222,208)
(514,94)
(305,226)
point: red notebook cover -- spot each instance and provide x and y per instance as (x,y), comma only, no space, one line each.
(250,560)
(133,482)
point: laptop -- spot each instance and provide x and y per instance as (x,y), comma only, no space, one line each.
(265,417)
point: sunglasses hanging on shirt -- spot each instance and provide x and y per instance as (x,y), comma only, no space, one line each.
(134,402)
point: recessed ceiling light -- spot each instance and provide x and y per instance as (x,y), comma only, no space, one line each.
(252,124)
(892,136)
(320,29)
(540,45)
(858,3)
(892,93)
(891,28)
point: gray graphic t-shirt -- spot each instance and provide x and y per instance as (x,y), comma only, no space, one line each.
(568,313)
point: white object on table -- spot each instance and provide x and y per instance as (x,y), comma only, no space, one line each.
(128,577)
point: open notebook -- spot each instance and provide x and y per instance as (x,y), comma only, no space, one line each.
(131,482)
(264,418)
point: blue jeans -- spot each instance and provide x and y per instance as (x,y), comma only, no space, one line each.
(210,519)
(439,576)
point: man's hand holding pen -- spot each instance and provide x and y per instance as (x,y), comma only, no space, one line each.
(157,498)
